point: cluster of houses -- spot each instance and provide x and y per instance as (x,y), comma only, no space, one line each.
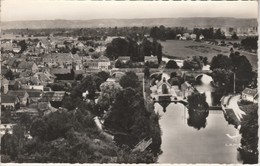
(26,75)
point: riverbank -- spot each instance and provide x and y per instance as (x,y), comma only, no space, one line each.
(230,103)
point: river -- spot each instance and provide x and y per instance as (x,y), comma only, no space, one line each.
(183,143)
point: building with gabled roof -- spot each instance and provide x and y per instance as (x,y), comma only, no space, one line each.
(250,95)
(27,66)
(22,95)
(10,101)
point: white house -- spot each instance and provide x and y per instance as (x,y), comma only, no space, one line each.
(250,95)
(163,87)
(193,36)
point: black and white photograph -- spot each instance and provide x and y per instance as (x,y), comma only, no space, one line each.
(129,82)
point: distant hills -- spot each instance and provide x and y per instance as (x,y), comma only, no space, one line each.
(190,22)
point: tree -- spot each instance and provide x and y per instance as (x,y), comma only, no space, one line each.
(197,101)
(197,119)
(103,75)
(39,129)
(23,45)
(249,131)
(220,62)
(193,63)
(25,119)
(87,84)
(130,119)
(118,47)
(234,36)
(147,72)
(223,79)
(244,69)
(130,79)
(9,146)
(171,64)
(219,35)
(250,43)
(108,94)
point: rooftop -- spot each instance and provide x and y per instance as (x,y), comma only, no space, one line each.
(251,92)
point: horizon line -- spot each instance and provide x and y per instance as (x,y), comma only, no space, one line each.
(57,19)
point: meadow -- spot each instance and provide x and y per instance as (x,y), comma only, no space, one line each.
(182,49)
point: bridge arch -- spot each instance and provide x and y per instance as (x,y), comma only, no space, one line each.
(154,74)
(113,74)
(199,76)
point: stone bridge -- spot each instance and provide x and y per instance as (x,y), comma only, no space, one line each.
(155,71)
(192,73)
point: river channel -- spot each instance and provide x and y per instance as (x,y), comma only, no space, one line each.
(182,143)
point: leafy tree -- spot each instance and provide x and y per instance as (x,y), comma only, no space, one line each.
(221,61)
(250,43)
(103,75)
(118,47)
(87,84)
(223,79)
(244,69)
(131,120)
(130,79)
(197,118)
(219,35)
(249,131)
(108,94)
(205,60)
(23,45)
(234,36)
(193,63)
(25,119)
(39,129)
(197,101)
(147,72)
(9,146)
(171,64)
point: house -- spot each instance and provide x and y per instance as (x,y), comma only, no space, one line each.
(91,64)
(187,36)
(201,37)
(16,49)
(62,74)
(44,77)
(10,102)
(54,97)
(34,94)
(250,95)
(193,36)
(22,95)
(14,85)
(40,47)
(103,63)
(150,59)
(61,59)
(123,59)
(163,87)
(6,128)
(27,67)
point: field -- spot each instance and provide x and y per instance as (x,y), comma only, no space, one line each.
(182,49)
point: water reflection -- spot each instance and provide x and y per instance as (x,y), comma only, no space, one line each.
(184,141)
(197,118)
(183,144)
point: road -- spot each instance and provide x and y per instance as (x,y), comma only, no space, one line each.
(233,104)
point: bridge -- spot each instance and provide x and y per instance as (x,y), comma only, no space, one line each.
(191,73)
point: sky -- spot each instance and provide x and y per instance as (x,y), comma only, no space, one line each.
(14,10)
